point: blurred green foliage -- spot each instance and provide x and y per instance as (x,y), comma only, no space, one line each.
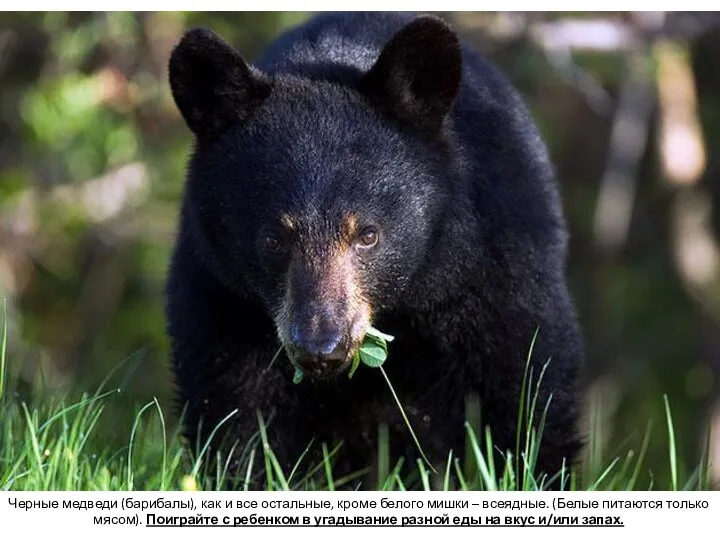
(92,156)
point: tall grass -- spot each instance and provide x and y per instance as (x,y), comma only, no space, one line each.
(60,447)
(56,444)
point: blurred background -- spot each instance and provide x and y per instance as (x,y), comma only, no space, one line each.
(92,154)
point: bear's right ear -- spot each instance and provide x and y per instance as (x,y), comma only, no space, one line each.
(213,87)
(418,73)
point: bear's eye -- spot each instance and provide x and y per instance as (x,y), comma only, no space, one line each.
(368,237)
(273,244)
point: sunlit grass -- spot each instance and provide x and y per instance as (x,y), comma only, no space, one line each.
(58,446)
(54,444)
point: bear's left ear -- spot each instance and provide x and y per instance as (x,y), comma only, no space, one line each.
(213,87)
(417,75)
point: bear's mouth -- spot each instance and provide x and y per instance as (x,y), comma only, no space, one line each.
(322,368)
(318,350)
(323,371)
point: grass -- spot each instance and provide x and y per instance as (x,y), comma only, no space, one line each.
(59,447)
(56,444)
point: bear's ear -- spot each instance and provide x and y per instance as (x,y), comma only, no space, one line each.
(417,75)
(211,84)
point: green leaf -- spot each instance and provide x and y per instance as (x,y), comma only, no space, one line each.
(372,355)
(298,375)
(355,364)
(374,332)
(373,351)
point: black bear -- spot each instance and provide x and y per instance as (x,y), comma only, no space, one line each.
(367,170)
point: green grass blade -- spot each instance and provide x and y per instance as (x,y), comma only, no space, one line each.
(672,448)
(402,411)
(640,459)
(272,466)
(133,432)
(328,468)
(163,470)
(446,480)
(3,350)
(523,389)
(206,446)
(488,480)
(424,476)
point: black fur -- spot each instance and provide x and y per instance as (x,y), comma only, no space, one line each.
(212,85)
(391,118)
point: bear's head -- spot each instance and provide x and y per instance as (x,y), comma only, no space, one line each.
(319,194)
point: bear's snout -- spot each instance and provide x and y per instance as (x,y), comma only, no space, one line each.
(321,341)
(324,315)
(318,343)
